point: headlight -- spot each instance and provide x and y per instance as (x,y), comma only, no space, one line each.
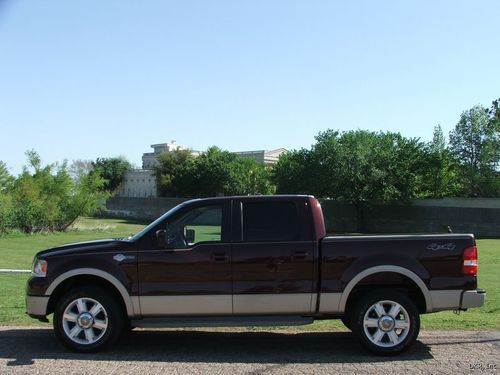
(39,268)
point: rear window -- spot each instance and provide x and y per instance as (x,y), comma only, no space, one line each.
(270,221)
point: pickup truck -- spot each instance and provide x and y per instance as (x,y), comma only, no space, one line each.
(249,261)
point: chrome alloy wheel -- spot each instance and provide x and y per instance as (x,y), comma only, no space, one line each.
(85,321)
(386,323)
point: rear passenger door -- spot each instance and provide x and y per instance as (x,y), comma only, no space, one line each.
(272,257)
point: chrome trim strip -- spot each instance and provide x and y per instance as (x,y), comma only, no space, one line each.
(223,321)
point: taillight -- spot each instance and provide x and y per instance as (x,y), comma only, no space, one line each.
(470,261)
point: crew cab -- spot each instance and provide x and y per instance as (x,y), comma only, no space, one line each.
(249,261)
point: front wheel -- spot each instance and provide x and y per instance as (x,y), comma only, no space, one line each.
(386,322)
(87,319)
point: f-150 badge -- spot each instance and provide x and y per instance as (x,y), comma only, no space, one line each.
(447,246)
(121,257)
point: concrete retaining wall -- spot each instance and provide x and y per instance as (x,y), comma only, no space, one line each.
(478,216)
(140,208)
(415,218)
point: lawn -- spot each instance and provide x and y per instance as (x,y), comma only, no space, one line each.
(16,251)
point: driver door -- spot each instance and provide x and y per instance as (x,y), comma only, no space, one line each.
(186,268)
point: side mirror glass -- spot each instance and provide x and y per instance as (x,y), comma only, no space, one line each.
(190,236)
(161,238)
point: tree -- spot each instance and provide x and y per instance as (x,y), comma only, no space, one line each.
(46,198)
(214,172)
(80,167)
(297,172)
(208,175)
(112,170)
(249,177)
(357,167)
(168,169)
(6,183)
(6,179)
(439,169)
(494,111)
(475,143)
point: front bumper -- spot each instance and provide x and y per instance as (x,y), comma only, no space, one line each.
(36,306)
(472,298)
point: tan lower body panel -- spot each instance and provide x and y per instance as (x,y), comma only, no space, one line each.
(37,305)
(296,303)
(329,302)
(186,305)
(293,303)
(445,299)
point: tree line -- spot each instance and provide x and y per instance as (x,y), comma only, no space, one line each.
(51,197)
(357,167)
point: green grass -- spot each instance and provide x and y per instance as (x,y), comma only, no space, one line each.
(17,251)
(486,317)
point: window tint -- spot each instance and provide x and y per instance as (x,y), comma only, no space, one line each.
(270,221)
(198,225)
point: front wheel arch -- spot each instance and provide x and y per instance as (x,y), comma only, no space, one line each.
(74,282)
(90,276)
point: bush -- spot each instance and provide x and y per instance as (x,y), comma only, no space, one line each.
(48,199)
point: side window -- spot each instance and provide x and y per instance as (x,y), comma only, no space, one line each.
(198,225)
(270,221)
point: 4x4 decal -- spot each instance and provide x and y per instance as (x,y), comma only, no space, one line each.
(447,246)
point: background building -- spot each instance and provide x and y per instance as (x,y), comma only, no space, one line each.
(263,156)
(141,183)
(149,160)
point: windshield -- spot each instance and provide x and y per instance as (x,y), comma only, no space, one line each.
(156,222)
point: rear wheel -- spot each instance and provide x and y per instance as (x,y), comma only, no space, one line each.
(386,322)
(88,319)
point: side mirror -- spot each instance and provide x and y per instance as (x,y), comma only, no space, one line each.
(190,235)
(161,238)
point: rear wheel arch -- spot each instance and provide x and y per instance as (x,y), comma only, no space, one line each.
(413,286)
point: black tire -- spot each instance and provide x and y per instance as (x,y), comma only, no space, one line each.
(347,320)
(103,328)
(127,326)
(386,333)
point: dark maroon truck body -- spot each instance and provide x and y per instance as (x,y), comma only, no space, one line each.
(256,260)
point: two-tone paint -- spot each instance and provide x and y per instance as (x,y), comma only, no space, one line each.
(314,275)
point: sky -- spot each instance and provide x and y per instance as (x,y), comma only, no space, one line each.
(87,79)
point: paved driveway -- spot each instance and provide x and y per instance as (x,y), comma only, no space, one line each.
(35,350)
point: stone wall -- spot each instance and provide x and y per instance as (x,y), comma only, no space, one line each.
(478,216)
(140,208)
(138,183)
(481,217)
